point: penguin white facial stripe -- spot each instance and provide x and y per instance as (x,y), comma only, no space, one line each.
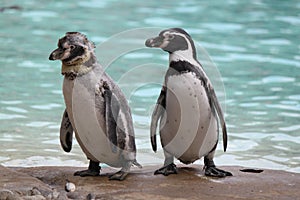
(183,55)
(169,35)
(173,33)
(164,44)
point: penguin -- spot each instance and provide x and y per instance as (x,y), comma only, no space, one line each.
(96,109)
(187,108)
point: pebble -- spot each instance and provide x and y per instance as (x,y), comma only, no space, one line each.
(91,196)
(5,193)
(35,191)
(70,187)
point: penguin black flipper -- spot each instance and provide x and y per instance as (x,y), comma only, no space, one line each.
(66,133)
(218,108)
(111,109)
(156,115)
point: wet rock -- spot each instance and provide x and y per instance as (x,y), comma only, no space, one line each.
(5,193)
(62,196)
(35,197)
(34,191)
(190,183)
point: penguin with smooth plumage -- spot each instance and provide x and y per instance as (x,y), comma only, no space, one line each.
(187,108)
(96,109)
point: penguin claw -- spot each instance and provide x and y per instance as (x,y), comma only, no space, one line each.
(119,176)
(215,172)
(87,172)
(167,170)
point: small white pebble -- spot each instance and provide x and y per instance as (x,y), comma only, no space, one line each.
(70,187)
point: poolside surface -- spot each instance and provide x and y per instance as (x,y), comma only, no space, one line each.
(189,183)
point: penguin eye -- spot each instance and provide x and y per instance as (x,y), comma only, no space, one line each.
(170,37)
(72,47)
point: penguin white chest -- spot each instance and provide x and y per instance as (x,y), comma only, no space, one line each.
(85,111)
(188,128)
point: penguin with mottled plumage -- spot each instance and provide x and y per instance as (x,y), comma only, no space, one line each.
(187,107)
(96,109)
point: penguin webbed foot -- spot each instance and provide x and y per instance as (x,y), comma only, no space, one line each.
(212,170)
(93,170)
(215,172)
(87,172)
(167,170)
(119,176)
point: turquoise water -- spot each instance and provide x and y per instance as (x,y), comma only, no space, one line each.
(255,47)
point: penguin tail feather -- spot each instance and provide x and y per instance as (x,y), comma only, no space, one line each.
(135,162)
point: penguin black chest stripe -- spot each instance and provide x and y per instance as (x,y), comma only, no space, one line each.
(181,67)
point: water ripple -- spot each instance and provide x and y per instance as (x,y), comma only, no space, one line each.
(284,107)
(285,137)
(289,114)
(259,98)
(46,106)
(222,26)
(138,55)
(257,31)
(10,116)
(261,58)
(278,41)
(15,109)
(247,105)
(290,128)
(39,15)
(223,47)
(30,64)
(289,19)
(93,4)
(13,102)
(38,124)
(160,21)
(294,97)
(187,9)
(147,92)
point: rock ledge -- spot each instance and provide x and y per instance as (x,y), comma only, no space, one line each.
(36,183)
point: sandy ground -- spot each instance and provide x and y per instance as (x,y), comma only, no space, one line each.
(190,183)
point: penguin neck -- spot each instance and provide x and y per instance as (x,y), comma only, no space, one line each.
(184,55)
(71,71)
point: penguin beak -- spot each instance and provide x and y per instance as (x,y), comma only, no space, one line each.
(56,54)
(157,42)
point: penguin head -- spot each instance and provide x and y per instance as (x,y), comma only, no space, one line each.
(72,49)
(173,40)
